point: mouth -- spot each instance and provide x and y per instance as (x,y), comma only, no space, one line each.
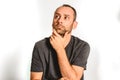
(59,26)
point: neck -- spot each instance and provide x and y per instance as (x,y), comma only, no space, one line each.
(67,40)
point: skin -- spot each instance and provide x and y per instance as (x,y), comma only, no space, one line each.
(63,24)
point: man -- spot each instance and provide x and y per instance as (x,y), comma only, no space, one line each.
(61,56)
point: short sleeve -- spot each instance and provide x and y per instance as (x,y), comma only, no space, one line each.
(36,63)
(81,56)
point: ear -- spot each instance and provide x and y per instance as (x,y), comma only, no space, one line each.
(75,24)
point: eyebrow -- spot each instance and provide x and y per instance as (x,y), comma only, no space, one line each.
(64,14)
(57,13)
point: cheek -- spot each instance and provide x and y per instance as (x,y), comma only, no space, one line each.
(55,22)
(69,27)
(69,23)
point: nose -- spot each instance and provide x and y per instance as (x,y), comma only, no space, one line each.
(60,20)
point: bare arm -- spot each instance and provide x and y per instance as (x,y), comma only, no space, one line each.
(36,75)
(69,72)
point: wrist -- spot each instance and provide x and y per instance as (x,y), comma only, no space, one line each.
(60,49)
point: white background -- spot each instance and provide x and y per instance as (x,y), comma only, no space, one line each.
(23,22)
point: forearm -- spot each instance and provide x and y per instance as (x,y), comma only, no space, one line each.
(69,72)
(36,76)
(66,69)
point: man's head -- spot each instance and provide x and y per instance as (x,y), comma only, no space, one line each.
(64,19)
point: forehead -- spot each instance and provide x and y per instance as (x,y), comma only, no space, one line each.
(64,10)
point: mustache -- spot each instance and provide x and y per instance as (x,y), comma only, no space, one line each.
(59,25)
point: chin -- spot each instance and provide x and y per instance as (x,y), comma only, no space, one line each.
(61,32)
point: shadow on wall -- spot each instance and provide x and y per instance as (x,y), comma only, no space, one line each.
(11,69)
(93,66)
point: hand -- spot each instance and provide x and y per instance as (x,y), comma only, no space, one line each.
(57,41)
(63,79)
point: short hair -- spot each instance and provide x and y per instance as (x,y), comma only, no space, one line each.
(75,13)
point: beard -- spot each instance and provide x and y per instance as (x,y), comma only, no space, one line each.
(60,29)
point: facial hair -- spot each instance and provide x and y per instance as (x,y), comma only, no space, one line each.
(60,29)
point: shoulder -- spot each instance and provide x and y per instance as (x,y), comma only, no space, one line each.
(42,43)
(79,42)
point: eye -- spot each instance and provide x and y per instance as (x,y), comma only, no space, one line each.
(57,17)
(66,17)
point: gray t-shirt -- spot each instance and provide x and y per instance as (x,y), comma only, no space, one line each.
(44,58)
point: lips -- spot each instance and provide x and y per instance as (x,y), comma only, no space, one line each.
(58,27)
